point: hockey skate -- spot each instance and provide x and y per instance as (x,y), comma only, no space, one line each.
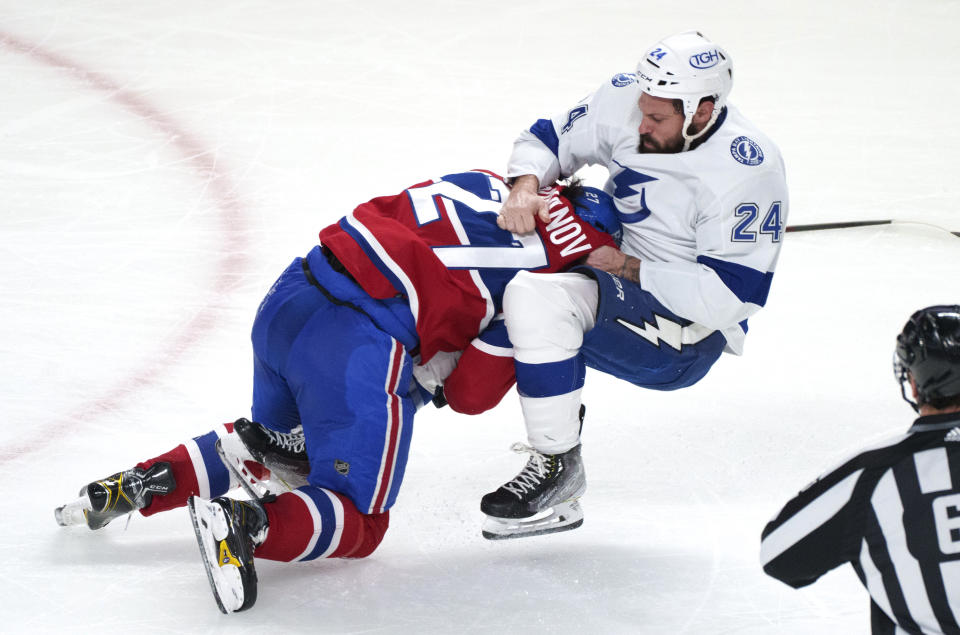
(541,499)
(115,496)
(248,472)
(284,454)
(228,531)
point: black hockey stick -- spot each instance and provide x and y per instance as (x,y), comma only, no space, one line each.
(857,223)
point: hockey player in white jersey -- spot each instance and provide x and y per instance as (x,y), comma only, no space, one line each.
(702,198)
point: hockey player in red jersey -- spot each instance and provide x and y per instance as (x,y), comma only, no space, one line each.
(395,308)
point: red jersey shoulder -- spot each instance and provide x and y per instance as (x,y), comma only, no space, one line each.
(568,237)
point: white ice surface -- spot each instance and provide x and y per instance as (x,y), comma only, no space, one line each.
(160,163)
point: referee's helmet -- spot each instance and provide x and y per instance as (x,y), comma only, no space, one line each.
(928,350)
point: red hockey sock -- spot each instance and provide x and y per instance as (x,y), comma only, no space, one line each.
(312,522)
(197,471)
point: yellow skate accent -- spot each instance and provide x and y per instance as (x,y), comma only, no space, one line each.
(226,557)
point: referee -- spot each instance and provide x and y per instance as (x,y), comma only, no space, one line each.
(892,511)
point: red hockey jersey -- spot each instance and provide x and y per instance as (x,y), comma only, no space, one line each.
(438,244)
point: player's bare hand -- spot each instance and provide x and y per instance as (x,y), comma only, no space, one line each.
(612,260)
(523,205)
(606,258)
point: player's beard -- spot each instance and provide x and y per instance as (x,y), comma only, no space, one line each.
(648,145)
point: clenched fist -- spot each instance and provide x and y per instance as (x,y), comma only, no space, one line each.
(523,205)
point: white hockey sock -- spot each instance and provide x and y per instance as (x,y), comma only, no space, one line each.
(546,316)
(553,423)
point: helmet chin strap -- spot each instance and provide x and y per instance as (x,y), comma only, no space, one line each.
(902,376)
(688,121)
(903,393)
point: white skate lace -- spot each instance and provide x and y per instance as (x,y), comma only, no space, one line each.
(291,441)
(532,474)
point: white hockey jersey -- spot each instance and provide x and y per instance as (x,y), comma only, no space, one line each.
(707,224)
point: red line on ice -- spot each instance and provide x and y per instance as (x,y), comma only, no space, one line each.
(231,263)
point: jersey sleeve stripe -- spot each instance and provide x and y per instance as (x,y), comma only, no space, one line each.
(809,518)
(749,285)
(379,256)
(544,131)
(491,349)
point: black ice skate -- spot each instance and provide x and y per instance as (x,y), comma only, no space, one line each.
(284,454)
(228,531)
(115,496)
(541,499)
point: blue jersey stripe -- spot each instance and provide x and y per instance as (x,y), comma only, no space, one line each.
(543,130)
(372,255)
(749,285)
(476,183)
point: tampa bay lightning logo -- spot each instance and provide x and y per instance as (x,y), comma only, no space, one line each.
(623,79)
(746,151)
(627,182)
(573,115)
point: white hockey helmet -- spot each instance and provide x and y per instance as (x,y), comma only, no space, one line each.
(687,66)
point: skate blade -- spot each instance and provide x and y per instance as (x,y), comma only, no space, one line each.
(73,513)
(235,455)
(562,517)
(210,526)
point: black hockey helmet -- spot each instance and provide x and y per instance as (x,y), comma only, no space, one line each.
(928,349)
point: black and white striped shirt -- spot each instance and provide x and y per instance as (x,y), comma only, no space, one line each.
(893,512)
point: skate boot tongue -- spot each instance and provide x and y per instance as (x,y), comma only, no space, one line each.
(283,453)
